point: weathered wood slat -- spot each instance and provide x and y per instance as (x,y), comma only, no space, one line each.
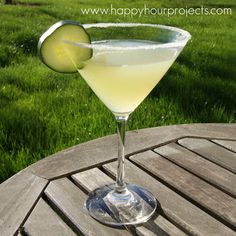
(17,196)
(95,178)
(207,170)
(231,145)
(92,179)
(44,221)
(70,200)
(192,186)
(162,227)
(104,149)
(175,207)
(211,151)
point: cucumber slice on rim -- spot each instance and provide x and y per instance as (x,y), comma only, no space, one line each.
(59,55)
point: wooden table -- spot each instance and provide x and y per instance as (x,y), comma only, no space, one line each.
(191,169)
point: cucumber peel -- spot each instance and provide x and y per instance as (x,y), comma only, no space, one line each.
(60,56)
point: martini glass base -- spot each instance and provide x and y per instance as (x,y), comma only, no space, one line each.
(134,205)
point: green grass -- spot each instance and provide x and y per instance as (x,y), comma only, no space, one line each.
(42,112)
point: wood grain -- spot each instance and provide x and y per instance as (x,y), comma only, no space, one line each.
(231,145)
(191,186)
(94,178)
(70,201)
(17,196)
(104,149)
(194,163)
(212,152)
(160,227)
(176,208)
(44,221)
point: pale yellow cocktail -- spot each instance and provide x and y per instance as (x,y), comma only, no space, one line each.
(123,78)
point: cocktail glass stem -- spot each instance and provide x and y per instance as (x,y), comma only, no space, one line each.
(121,126)
(121,203)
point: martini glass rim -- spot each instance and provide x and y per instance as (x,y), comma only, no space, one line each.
(182,37)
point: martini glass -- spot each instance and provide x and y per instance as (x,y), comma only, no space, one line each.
(128,60)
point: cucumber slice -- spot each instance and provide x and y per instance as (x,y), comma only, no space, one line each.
(59,55)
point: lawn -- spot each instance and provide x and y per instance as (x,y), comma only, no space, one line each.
(42,112)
